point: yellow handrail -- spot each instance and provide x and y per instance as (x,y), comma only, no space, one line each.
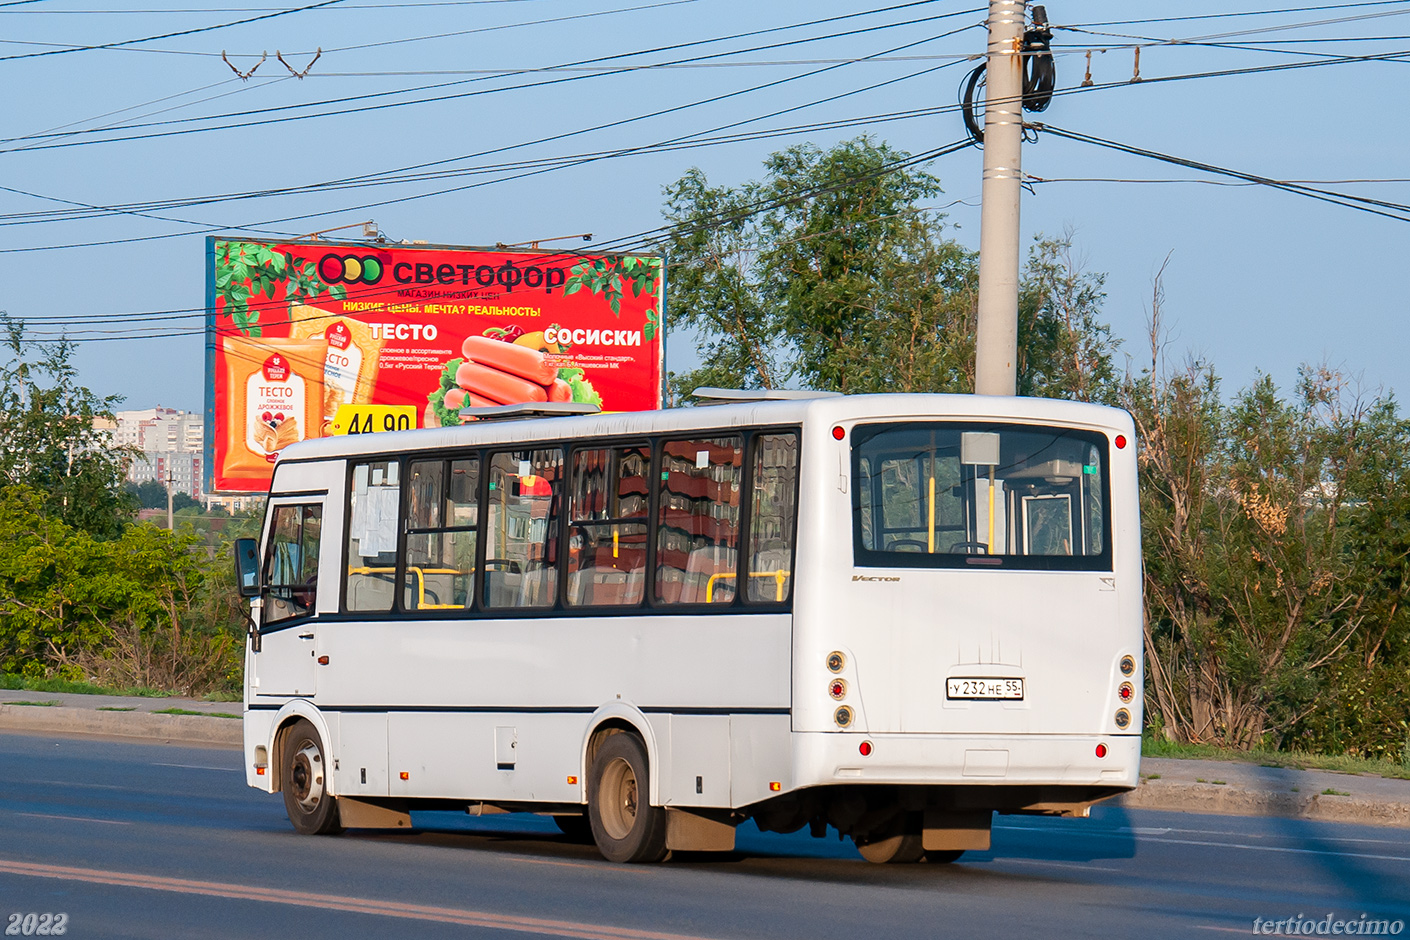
(420,582)
(779,577)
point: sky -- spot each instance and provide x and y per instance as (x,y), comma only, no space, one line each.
(111,107)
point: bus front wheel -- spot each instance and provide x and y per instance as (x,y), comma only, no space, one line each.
(625,826)
(304,780)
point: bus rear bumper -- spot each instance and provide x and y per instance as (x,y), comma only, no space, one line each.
(1101,760)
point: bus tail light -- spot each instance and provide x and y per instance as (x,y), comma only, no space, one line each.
(839,432)
(1123,718)
(1101,750)
(843,717)
(1121,442)
(1126,692)
(864,749)
(837,688)
(1128,665)
(836,662)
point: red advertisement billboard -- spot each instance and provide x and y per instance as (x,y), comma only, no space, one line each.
(311,339)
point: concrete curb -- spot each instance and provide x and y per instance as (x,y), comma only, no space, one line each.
(1237,801)
(168,729)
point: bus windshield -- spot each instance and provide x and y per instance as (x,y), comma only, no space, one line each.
(953,495)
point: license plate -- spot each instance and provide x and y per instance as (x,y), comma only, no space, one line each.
(983,689)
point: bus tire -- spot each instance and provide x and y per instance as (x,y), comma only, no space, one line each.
(625,826)
(943,856)
(304,780)
(901,843)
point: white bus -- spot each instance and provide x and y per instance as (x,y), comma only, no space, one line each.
(894,615)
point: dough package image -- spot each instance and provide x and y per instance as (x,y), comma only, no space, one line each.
(350,364)
(277,398)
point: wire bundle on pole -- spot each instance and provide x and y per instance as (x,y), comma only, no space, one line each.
(1039,75)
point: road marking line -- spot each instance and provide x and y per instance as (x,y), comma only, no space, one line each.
(1221,845)
(1083,866)
(334,902)
(110,822)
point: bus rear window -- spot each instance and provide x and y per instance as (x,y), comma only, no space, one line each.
(951,495)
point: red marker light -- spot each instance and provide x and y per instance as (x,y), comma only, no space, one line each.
(1101,750)
(838,433)
(1121,442)
(865,748)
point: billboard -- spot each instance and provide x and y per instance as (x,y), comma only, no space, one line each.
(311,339)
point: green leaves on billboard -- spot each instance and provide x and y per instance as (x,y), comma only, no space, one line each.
(247,275)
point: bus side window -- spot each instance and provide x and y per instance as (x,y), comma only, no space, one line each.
(521,528)
(607,532)
(291,565)
(772,512)
(697,534)
(374,508)
(442,511)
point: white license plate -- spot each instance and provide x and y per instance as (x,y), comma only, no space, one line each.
(983,689)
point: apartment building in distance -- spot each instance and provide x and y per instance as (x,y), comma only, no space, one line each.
(171,445)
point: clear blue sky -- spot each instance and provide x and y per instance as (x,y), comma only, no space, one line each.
(1258,279)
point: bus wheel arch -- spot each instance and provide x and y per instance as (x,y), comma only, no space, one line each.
(619,718)
(288,716)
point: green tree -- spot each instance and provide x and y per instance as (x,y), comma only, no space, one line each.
(1251,599)
(47,436)
(832,273)
(1065,350)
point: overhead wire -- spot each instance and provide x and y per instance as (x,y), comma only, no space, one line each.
(169,35)
(1391,210)
(474,93)
(553,165)
(723,217)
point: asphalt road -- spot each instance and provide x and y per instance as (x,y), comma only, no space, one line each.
(153,841)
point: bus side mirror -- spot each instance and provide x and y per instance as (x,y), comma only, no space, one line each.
(247,567)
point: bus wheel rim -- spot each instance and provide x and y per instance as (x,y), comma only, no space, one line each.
(619,806)
(307,777)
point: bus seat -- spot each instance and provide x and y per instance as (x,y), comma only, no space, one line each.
(370,591)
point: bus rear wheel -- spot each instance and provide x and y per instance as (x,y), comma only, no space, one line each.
(304,780)
(625,826)
(899,843)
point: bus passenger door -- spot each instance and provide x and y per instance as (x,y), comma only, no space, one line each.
(287,661)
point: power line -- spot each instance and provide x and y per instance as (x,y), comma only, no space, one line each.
(448,97)
(388,177)
(938,110)
(371,45)
(1362,203)
(718,219)
(183,32)
(1218,16)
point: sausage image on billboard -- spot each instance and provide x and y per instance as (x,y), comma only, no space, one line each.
(437,328)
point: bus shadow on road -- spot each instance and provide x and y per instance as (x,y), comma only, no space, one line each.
(796,855)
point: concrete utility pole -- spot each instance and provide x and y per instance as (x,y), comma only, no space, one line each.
(996,341)
(170,516)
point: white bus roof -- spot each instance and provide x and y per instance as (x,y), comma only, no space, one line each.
(754,413)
